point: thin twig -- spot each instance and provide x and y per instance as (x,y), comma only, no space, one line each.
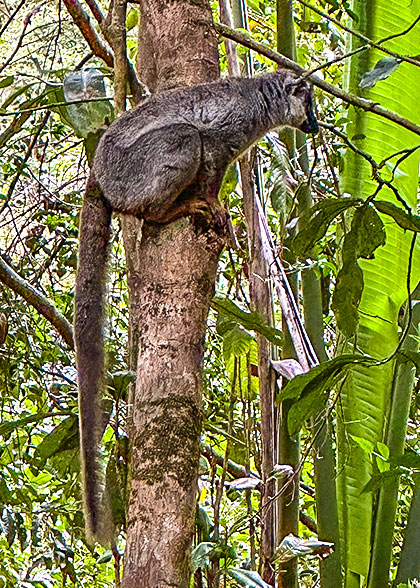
(26,156)
(336,60)
(376,45)
(26,23)
(11,17)
(55,105)
(375,167)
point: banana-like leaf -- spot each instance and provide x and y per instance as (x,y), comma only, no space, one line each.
(366,393)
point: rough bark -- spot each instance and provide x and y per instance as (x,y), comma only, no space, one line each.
(171,279)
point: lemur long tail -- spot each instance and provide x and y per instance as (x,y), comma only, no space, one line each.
(89,341)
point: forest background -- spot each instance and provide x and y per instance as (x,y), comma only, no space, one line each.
(309,483)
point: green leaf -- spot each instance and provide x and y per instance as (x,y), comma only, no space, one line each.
(409,355)
(6,81)
(115,493)
(378,480)
(305,408)
(318,376)
(346,298)
(410,460)
(132,19)
(105,558)
(6,497)
(367,233)
(229,183)
(410,222)
(310,391)
(119,382)
(236,341)
(383,449)
(63,437)
(229,312)
(247,578)
(364,403)
(364,444)
(321,216)
(370,231)
(6,428)
(383,68)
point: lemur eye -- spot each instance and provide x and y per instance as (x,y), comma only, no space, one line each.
(300,90)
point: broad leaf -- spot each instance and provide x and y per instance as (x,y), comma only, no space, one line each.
(364,399)
(63,436)
(347,296)
(292,546)
(6,81)
(365,236)
(369,229)
(410,222)
(322,216)
(230,312)
(318,376)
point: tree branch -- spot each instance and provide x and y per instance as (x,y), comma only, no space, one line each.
(356,101)
(82,20)
(95,10)
(12,280)
(11,17)
(118,41)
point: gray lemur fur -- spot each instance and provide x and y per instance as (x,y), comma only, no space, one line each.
(160,161)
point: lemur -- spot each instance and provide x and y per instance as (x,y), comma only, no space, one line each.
(163,160)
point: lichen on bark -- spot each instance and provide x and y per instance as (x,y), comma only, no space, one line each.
(169,445)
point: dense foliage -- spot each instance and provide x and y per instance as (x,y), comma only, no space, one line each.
(357,242)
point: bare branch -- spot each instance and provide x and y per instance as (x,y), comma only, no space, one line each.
(375,166)
(118,41)
(26,23)
(82,20)
(96,11)
(20,286)
(27,155)
(11,17)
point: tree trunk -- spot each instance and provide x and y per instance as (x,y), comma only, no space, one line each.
(172,270)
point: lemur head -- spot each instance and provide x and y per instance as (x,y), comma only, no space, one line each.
(301,104)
